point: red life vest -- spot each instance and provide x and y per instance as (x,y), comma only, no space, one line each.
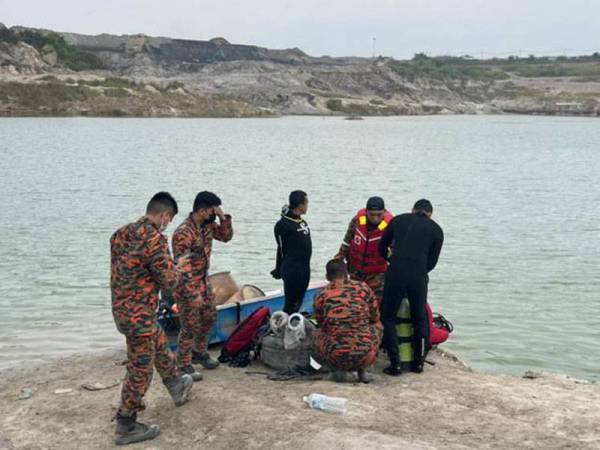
(364,248)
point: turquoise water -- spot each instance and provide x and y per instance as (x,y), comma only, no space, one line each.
(517,198)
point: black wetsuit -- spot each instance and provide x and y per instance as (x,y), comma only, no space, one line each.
(294,249)
(416,242)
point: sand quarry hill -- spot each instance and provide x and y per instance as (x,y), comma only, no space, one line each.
(449,406)
(47,73)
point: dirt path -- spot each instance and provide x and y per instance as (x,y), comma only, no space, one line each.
(449,406)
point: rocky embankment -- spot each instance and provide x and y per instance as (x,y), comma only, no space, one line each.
(48,73)
(68,404)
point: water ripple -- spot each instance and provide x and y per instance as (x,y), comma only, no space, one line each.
(518,274)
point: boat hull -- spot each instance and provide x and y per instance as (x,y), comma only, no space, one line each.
(229,315)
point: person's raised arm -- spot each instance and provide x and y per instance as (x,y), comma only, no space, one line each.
(223,231)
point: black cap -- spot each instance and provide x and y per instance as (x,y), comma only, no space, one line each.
(375,204)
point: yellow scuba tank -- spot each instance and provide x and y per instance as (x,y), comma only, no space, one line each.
(404,329)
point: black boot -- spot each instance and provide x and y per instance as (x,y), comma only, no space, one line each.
(179,388)
(393,370)
(416,367)
(191,371)
(129,430)
(205,360)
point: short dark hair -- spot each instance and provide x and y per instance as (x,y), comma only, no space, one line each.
(336,268)
(423,205)
(162,202)
(296,199)
(206,199)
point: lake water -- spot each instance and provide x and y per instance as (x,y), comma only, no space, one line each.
(517,197)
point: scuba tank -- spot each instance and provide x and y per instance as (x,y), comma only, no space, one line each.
(439,331)
(404,329)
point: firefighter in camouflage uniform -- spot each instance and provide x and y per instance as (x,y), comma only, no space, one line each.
(141,265)
(347,314)
(194,295)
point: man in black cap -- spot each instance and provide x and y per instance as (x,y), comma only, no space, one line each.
(415,241)
(360,245)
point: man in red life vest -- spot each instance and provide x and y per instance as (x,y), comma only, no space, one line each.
(360,246)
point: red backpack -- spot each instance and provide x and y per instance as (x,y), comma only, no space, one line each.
(439,327)
(246,334)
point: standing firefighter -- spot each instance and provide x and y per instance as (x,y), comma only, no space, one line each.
(141,265)
(347,313)
(416,241)
(194,295)
(294,249)
(360,248)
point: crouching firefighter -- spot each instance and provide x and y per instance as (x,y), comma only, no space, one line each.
(360,247)
(350,331)
(141,265)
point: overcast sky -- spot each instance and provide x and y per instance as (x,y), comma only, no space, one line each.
(337,28)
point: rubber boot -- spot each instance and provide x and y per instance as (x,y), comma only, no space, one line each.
(205,360)
(191,371)
(364,376)
(129,430)
(179,388)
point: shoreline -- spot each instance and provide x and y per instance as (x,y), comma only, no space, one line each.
(28,366)
(282,116)
(450,405)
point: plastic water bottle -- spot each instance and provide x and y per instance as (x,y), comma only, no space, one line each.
(324,403)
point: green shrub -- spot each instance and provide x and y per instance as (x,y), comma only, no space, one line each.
(69,55)
(334,104)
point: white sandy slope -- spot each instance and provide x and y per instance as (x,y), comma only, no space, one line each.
(448,407)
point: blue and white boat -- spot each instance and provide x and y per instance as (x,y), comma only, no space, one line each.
(229,315)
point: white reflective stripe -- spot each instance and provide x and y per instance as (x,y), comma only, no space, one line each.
(374,239)
(422,347)
(361,235)
(346,244)
(280,244)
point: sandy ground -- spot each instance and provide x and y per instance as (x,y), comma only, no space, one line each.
(449,406)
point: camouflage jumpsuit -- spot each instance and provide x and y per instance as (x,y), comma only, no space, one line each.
(373,280)
(194,294)
(141,265)
(350,331)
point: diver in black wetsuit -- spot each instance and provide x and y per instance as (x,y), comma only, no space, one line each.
(416,242)
(294,249)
